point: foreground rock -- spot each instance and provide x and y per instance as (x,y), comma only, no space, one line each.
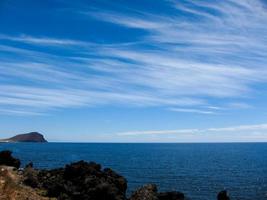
(150,192)
(171,196)
(11,187)
(223,195)
(147,192)
(8,160)
(77,181)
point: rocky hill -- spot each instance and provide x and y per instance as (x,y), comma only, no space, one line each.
(27,137)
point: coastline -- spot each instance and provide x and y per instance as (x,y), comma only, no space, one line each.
(80,180)
(198,170)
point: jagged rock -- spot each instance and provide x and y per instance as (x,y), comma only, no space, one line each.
(7,159)
(147,192)
(223,195)
(82,181)
(30,176)
(171,196)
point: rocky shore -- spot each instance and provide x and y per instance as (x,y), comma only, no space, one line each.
(76,181)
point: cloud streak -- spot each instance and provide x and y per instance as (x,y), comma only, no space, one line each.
(231,129)
(189,110)
(43,40)
(181,61)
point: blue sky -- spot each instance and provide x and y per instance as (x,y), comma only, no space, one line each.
(134,71)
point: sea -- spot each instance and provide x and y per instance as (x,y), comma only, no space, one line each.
(199,170)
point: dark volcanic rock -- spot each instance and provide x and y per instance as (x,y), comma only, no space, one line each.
(80,181)
(171,196)
(86,181)
(150,192)
(7,159)
(27,137)
(223,195)
(147,192)
(30,176)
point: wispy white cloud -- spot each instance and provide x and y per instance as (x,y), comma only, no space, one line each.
(155,132)
(189,110)
(20,112)
(217,51)
(257,127)
(244,129)
(130,21)
(42,40)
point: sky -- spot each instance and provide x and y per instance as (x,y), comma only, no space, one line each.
(134,71)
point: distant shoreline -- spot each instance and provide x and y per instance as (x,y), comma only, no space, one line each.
(68,142)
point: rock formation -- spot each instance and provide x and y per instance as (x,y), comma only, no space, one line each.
(171,196)
(7,159)
(76,181)
(80,180)
(147,192)
(150,192)
(223,195)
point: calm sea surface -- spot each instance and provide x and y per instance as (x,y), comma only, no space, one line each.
(198,170)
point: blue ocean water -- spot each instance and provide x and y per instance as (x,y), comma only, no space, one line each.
(198,170)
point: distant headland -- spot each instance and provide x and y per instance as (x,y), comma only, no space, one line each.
(26,137)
